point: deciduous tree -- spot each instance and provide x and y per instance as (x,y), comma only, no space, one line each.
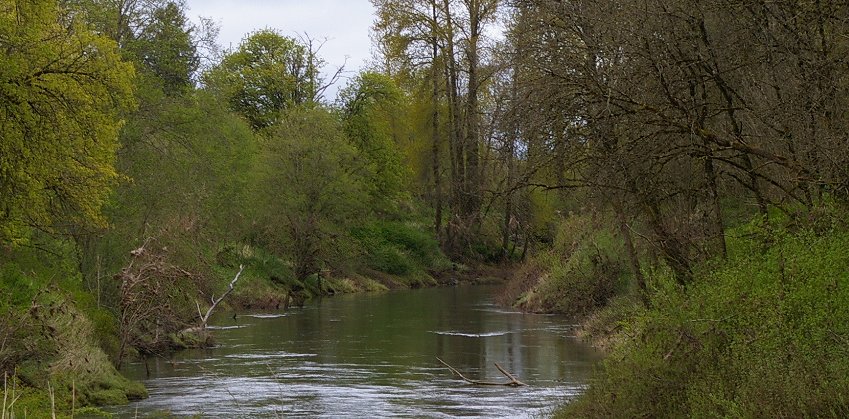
(63,90)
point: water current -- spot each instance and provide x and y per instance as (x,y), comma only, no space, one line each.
(372,355)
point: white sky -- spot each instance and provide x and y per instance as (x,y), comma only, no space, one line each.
(344,23)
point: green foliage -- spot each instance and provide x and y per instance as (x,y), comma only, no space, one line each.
(63,89)
(310,194)
(603,327)
(582,271)
(375,110)
(189,161)
(164,46)
(763,335)
(399,248)
(266,74)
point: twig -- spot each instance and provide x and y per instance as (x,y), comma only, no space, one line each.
(512,378)
(52,393)
(5,393)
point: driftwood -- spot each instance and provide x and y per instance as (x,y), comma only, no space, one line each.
(205,318)
(514,382)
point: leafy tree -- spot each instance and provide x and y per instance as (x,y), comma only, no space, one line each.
(266,74)
(311,194)
(62,91)
(375,114)
(155,35)
(165,47)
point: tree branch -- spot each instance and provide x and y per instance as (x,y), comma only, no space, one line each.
(215,301)
(514,382)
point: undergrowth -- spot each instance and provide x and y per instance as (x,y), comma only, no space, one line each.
(763,334)
(582,271)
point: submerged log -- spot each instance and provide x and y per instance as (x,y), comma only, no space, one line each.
(514,382)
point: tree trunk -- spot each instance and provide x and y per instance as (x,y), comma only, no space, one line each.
(634,260)
(435,137)
(472,182)
(458,169)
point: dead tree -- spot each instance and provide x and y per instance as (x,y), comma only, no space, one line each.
(204,318)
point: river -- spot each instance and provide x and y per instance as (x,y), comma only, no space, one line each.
(373,355)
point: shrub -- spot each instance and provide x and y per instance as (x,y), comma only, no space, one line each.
(765,334)
(582,271)
(399,248)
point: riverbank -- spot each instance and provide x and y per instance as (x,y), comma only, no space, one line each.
(62,340)
(760,334)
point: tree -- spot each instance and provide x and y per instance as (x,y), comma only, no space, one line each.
(374,112)
(266,74)
(676,107)
(63,90)
(310,191)
(165,47)
(442,43)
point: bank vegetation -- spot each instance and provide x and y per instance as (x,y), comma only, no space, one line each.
(673,172)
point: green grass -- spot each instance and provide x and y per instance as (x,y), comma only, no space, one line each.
(400,248)
(54,332)
(582,271)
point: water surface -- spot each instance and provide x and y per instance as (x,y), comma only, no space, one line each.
(373,355)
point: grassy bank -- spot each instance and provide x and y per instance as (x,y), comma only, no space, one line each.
(54,339)
(761,334)
(580,273)
(62,333)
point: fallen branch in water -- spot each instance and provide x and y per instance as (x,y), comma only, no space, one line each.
(514,382)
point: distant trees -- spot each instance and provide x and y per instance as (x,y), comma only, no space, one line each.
(375,115)
(167,47)
(266,74)
(437,47)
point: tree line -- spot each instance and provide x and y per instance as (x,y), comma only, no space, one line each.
(141,164)
(678,116)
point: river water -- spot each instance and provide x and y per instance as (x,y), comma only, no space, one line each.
(373,355)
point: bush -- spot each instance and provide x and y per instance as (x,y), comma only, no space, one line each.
(399,248)
(583,270)
(765,334)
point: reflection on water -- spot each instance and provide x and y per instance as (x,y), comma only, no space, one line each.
(373,356)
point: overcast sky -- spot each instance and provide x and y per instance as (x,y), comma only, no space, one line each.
(345,24)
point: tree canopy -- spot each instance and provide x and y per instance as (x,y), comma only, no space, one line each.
(63,90)
(267,73)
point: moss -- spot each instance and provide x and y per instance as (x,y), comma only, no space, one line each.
(135,390)
(59,352)
(191,338)
(92,412)
(112,396)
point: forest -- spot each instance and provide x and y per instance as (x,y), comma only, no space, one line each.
(672,174)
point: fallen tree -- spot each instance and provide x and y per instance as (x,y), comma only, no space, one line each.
(514,382)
